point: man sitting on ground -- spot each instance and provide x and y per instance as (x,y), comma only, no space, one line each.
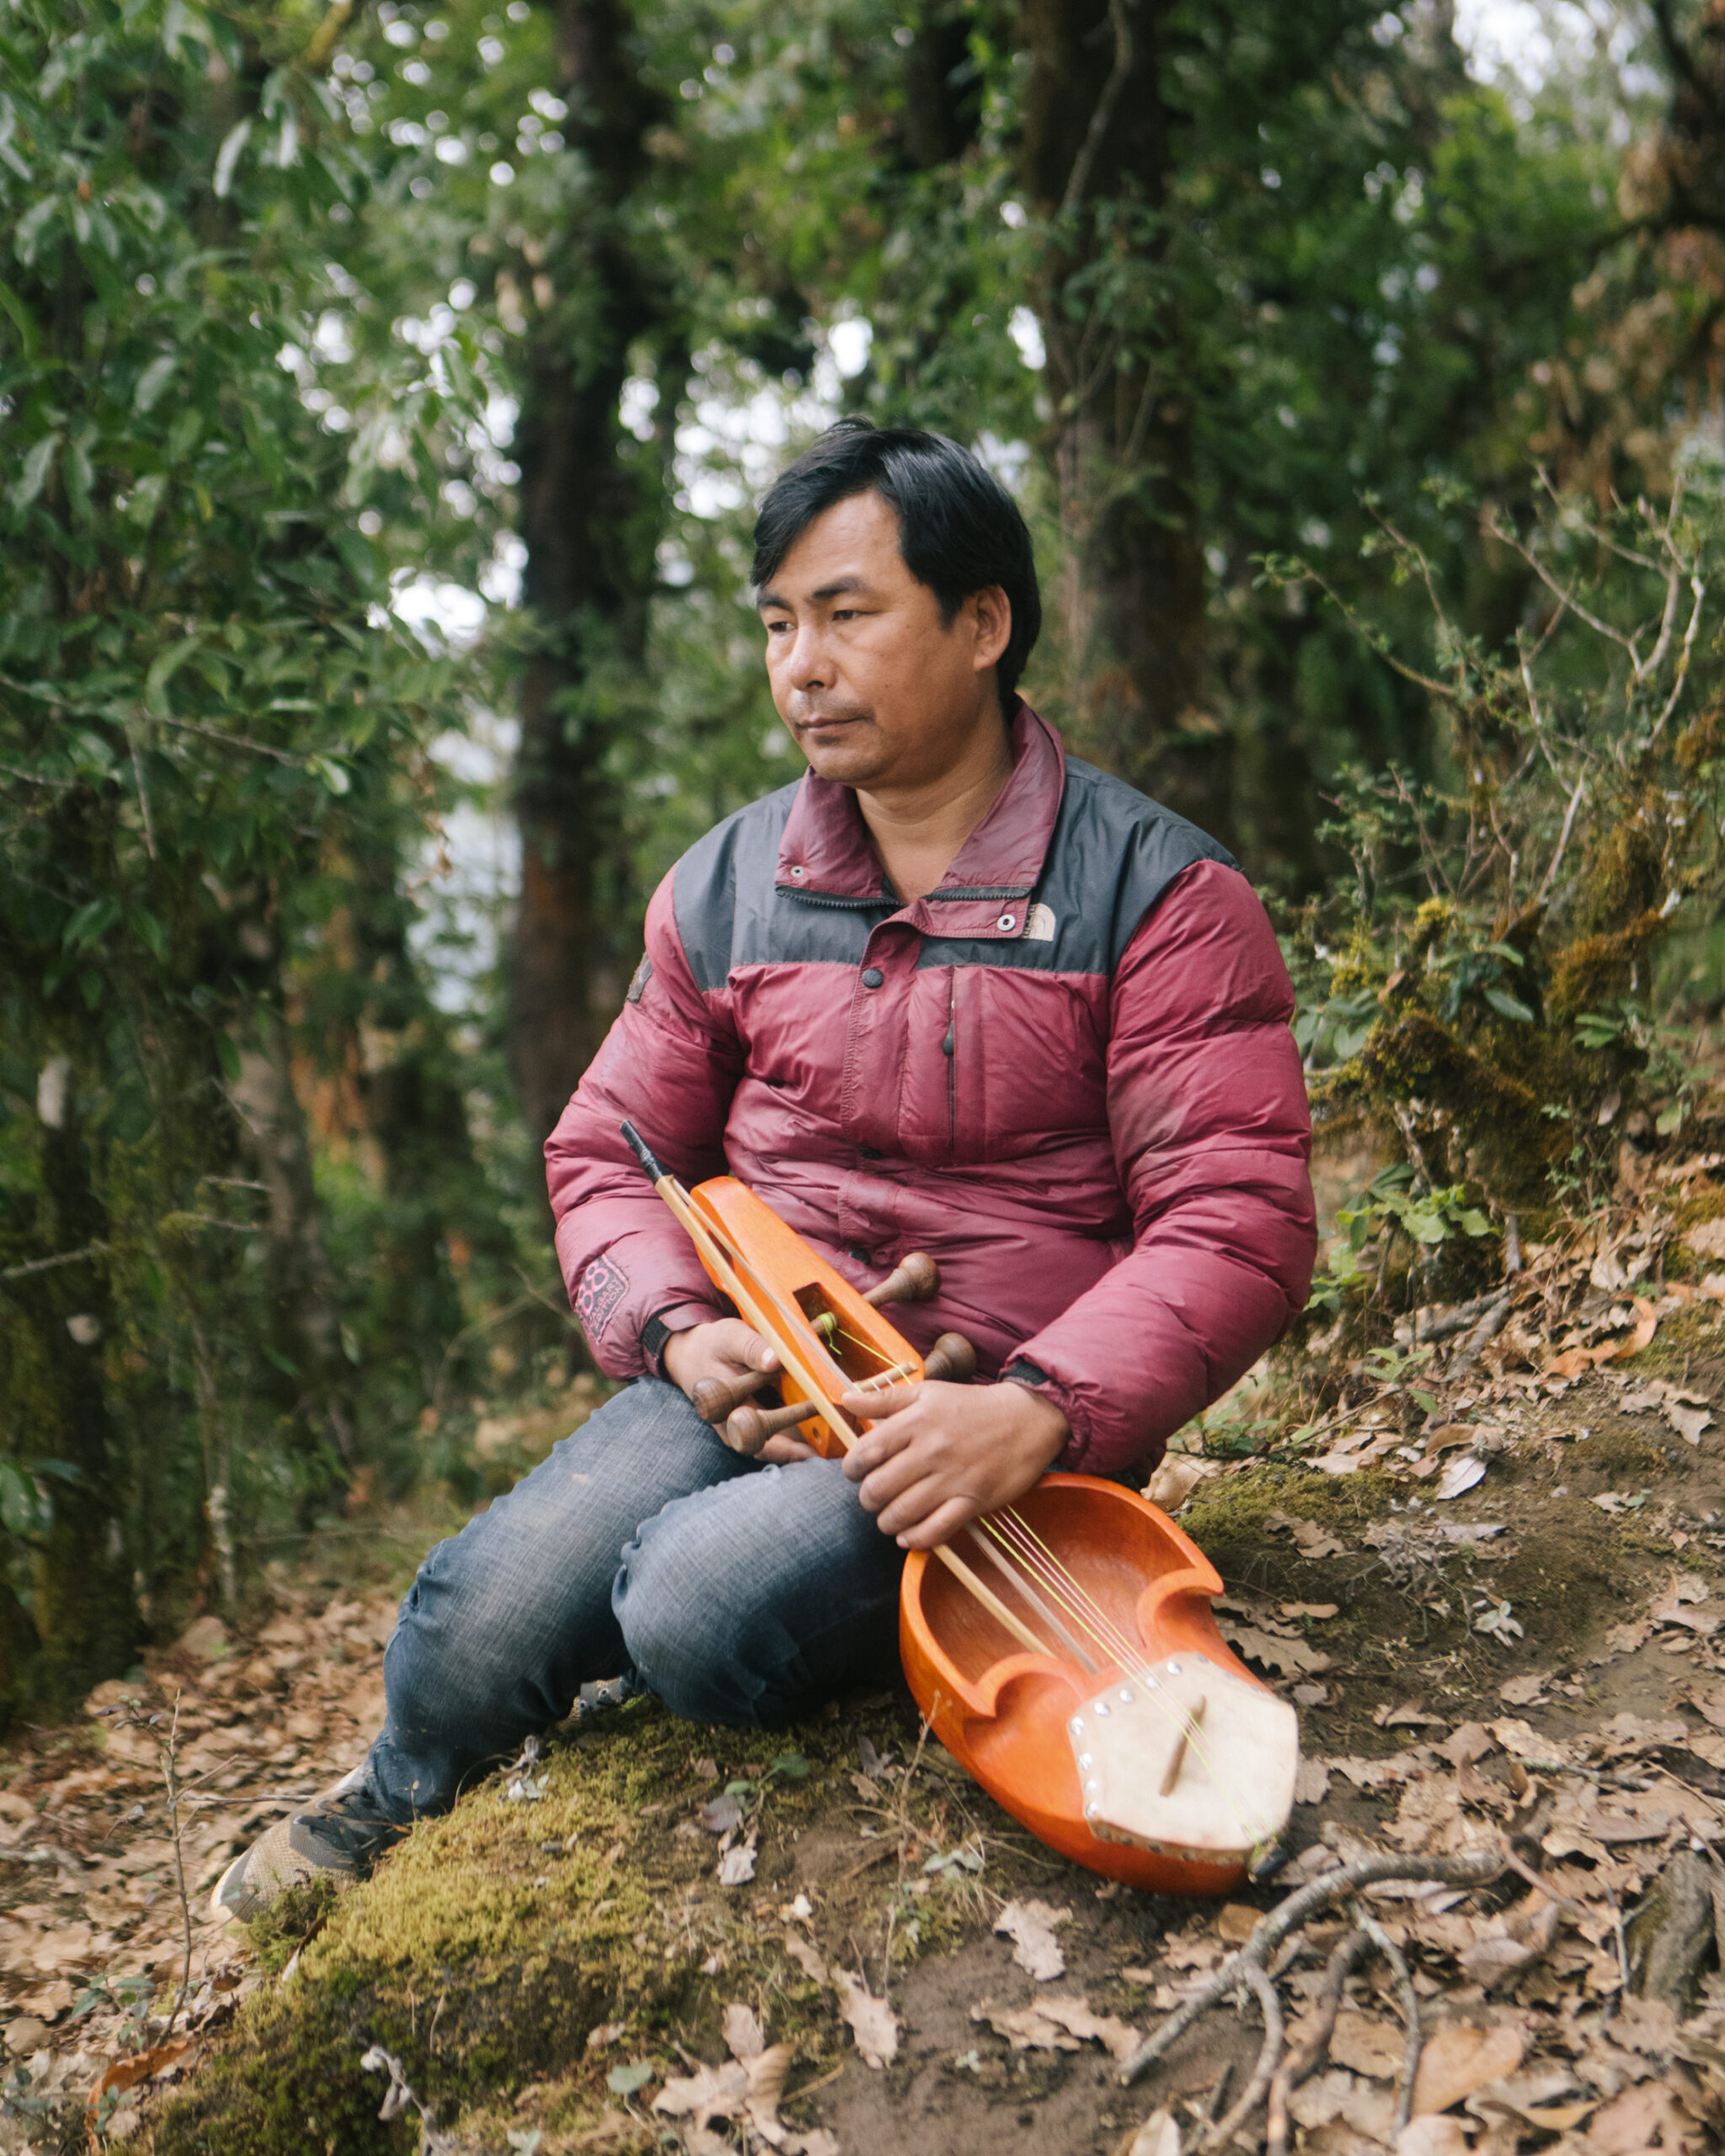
(954,991)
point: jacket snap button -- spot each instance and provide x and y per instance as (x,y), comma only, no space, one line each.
(1006,923)
(872,977)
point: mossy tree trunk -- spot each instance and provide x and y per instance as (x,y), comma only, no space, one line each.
(591,513)
(1098,159)
(86,1613)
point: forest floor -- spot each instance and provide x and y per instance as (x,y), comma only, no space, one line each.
(1496,1592)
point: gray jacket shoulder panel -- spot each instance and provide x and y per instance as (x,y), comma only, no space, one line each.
(724,881)
(1114,852)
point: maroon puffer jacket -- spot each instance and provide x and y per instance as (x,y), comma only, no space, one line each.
(1066,1074)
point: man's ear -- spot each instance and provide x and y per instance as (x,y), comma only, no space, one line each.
(992,612)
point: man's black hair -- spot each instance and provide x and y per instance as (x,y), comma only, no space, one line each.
(959,531)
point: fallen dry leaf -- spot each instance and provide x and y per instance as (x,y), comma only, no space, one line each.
(127,2073)
(736,1867)
(1460,1474)
(743,2037)
(1466,1745)
(1318,1609)
(1640,2119)
(1461,2058)
(806,1957)
(1311,1783)
(711,2092)
(1311,1540)
(1052,2022)
(1176,1479)
(721,1815)
(1237,1921)
(767,2071)
(1287,1656)
(1030,1926)
(871,2021)
(1158,2136)
(1434,2136)
(1367,2046)
(1522,1691)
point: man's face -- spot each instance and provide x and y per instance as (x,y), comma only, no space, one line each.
(874,686)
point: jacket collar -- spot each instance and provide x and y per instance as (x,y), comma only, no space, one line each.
(825,854)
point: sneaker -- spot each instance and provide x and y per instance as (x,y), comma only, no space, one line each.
(338,1837)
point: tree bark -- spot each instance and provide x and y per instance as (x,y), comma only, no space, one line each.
(86,1616)
(1098,158)
(304,1292)
(590,518)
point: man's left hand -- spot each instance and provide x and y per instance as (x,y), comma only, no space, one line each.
(939,1455)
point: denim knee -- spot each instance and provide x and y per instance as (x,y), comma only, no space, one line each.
(753,1604)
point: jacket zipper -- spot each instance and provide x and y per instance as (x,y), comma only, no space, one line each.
(945,1049)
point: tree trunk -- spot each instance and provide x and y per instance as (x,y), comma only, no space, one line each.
(590,517)
(85,1613)
(304,1292)
(1097,161)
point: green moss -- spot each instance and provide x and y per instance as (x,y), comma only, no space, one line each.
(1623,1455)
(1495,1107)
(1570,1570)
(489,1943)
(296,1917)
(1228,1517)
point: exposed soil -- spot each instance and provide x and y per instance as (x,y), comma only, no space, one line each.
(567,1960)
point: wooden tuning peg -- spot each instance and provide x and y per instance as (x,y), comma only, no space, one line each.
(951,1359)
(914,1279)
(714,1399)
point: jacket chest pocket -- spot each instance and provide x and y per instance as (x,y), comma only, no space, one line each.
(998,1060)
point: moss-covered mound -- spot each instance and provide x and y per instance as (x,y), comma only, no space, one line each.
(493,1943)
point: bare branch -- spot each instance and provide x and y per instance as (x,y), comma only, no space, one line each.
(231,740)
(1513,540)
(1409,2009)
(1078,180)
(1256,2089)
(1656,658)
(1699,590)
(53,1264)
(1539,896)
(1472,1868)
(137,772)
(1376,642)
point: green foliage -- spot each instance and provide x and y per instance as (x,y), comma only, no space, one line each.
(284,296)
(1485,983)
(207,714)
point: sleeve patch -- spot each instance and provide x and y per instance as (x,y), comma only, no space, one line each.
(604,1283)
(637,986)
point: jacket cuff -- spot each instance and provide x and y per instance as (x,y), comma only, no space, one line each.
(675,1317)
(1021,1370)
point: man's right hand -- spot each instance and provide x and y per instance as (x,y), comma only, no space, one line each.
(726,1348)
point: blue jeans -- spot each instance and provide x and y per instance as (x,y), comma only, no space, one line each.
(739,1594)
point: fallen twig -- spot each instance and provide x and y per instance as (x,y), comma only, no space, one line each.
(1300,2066)
(1410,2011)
(1252,2096)
(1472,1868)
(1482,1335)
(1432,1322)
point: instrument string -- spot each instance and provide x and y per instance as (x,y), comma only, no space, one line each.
(1018,1543)
(1034,1555)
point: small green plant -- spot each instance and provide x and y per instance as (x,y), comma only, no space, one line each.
(1426,1217)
